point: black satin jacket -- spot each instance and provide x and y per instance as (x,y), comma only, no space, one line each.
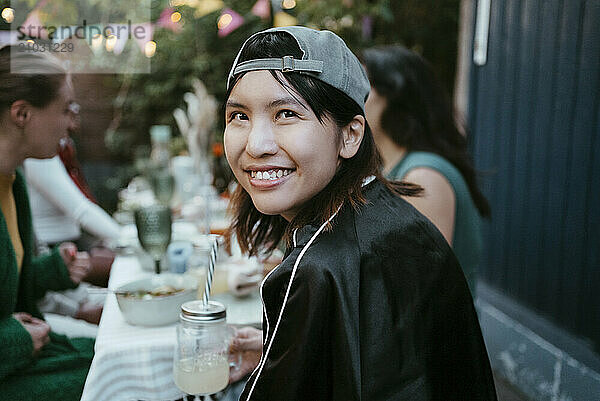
(375,309)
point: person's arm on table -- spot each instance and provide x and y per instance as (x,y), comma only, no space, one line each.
(61,269)
(51,179)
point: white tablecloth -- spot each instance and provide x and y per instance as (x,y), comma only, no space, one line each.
(135,363)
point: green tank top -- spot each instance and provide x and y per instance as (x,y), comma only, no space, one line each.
(466,241)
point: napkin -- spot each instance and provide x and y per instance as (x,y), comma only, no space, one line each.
(244,278)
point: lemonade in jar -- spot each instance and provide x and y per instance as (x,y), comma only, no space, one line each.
(200,363)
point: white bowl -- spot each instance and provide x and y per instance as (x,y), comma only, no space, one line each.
(156,310)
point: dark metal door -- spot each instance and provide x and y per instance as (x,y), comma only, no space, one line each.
(535,120)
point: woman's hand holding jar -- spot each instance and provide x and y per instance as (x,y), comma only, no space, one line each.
(246,346)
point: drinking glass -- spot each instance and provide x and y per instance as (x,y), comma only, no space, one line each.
(154,230)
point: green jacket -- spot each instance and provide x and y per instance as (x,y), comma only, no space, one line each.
(59,371)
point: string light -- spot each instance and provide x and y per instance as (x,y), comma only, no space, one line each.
(176,16)
(288,4)
(97,40)
(224,21)
(8,14)
(150,48)
(111,41)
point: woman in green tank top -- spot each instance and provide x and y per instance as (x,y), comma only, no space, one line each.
(421,142)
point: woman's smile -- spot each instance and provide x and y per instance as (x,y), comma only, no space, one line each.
(268,177)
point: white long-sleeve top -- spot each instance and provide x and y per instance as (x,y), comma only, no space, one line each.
(59,208)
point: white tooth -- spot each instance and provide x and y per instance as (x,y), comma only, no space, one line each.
(266,175)
(259,175)
(286,172)
(253,174)
(279,173)
(273,176)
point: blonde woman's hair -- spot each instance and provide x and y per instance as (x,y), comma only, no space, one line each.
(35,77)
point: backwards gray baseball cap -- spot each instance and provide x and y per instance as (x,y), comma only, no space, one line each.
(325,57)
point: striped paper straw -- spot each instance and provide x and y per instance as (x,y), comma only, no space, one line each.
(210,273)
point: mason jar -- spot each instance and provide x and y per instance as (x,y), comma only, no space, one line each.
(200,363)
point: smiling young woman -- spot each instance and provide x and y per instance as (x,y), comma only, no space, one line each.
(270,139)
(369,301)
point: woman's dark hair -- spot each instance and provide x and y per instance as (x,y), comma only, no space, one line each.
(256,230)
(28,75)
(419,115)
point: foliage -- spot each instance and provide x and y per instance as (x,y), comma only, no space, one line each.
(197,51)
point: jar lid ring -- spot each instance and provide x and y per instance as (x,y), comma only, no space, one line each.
(196,311)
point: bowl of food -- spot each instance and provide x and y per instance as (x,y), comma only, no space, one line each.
(156,301)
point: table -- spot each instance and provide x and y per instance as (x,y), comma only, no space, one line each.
(136,363)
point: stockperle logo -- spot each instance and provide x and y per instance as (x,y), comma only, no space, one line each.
(90,36)
(83,31)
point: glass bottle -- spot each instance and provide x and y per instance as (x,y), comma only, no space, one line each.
(163,183)
(160,154)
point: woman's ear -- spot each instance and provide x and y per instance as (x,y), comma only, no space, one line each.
(20,113)
(352,135)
